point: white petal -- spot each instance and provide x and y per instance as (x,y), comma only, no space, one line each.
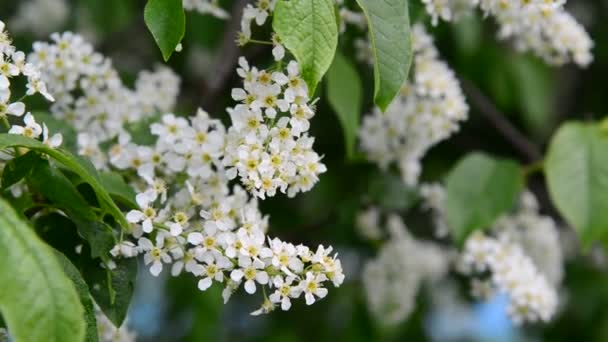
(195,238)
(236,275)
(310,299)
(262,277)
(250,286)
(285,304)
(147,226)
(17,108)
(204,284)
(135,216)
(156,268)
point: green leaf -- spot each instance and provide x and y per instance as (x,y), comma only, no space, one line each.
(58,189)
(577,177)
(18,168)
(389,33)
(99,236)
(309,31)
(480,189)
(78,165)
(55,125)
(344,95)
(38,301)
(167,23)
(120,191)
(112,289)
(70,270)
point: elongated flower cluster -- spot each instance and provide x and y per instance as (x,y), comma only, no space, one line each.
(40,17)
(522,258)
(541,26)
(538,235)
(532,298)
(428,110)
(13,64)
(200,226)
(268,146)
(211,7)
(90,94)
(393,278)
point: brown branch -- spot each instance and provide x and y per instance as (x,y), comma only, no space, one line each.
(484,105)
(226,59)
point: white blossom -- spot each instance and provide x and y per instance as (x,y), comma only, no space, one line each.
(40,17)
(392,279)
(211,7)
(541,26)
(428,110)
(267,146)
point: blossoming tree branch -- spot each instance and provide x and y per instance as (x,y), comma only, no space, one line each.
(112,171)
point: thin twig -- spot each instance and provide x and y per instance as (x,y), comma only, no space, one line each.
(484,105)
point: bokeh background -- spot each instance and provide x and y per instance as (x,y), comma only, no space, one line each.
(532,96)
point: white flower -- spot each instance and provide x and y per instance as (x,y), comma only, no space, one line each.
(284,291)
(146,214)
(31,129)
(154,254)
(252,272)
(53,141)
(311,286)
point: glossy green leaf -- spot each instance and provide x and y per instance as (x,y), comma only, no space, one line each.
(18,168)
(167,23)
(112,289)
(344,91)
(81,287)
(309,31)
(76,164)
(577,177)
(389,33)
(57,189)
(38,301)
(479,189)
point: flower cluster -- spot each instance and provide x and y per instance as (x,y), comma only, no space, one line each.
(393,278)
(523,259)
(428,111)
(267,145)
(211,7)
(531,296)
(189,218)
(40,17)
(257,14)
(91,96)
(537,234)
(541,26)
(13,64)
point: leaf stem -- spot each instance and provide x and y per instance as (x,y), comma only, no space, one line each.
(533,168)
